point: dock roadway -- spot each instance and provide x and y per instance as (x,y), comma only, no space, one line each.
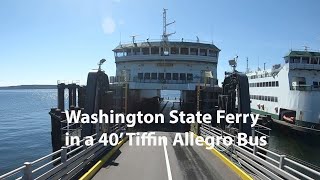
(161,163)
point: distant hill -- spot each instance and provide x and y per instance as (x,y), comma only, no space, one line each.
(29,87)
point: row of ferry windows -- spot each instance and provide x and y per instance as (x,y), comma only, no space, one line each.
(265,84)
(166,76)
(305,60)
(264,98)
(173,50)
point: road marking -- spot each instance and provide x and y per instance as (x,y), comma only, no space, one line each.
(167,162)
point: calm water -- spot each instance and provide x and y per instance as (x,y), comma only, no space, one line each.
(25,129)
(25,126)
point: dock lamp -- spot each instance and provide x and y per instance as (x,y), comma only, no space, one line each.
(100,63)
(233,63)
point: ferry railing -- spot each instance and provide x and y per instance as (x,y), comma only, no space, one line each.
(259,161)
(170,40)
(64,163)
(304,66)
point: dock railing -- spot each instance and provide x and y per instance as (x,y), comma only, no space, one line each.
(65,163)
(259,161)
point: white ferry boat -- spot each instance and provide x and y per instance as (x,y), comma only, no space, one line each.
(289,93)
(150,66)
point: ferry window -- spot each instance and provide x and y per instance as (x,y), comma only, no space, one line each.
(136,51)
(182,76)
(212,53)
(189,77)
(269,84)
(175,76)
(258,84)
(184,51)
(145,51)
(291,59)
(314,60)
(264,84)
(174,50)
(305,60)
(277,83)
(155,50)
(193,51)
(119,54)
(153,76)
(161,76)
(146,75)
(168,76)
(296,60)
(140,76)
(273,83)
(128,52)
(269,98)
(275,99)
(315,84)
(203,52)
(272,99)
(302,83)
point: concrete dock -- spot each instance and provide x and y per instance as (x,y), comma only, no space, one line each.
(170,162)
(151,162)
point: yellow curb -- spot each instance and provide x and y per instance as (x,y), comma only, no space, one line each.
(243,175)
(94,169)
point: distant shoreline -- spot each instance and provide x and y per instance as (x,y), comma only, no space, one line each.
(29,87)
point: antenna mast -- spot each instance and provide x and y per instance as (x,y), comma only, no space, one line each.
(165,35)
(247,71)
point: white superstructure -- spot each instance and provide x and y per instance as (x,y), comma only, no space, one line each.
(289,92)
(154,65)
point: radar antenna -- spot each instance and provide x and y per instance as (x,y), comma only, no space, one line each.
(165,36)
(134,38)
(306,48)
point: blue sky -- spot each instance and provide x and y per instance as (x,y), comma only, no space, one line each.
(45,41)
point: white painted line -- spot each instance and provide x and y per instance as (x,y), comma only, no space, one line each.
(167,162)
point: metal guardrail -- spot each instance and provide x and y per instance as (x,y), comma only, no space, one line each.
(170,40)
(259,161)
(64,163)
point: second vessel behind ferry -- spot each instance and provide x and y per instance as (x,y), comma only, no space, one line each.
(289,93)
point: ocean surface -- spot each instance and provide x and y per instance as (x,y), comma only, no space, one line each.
(25,126)
(25,129)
